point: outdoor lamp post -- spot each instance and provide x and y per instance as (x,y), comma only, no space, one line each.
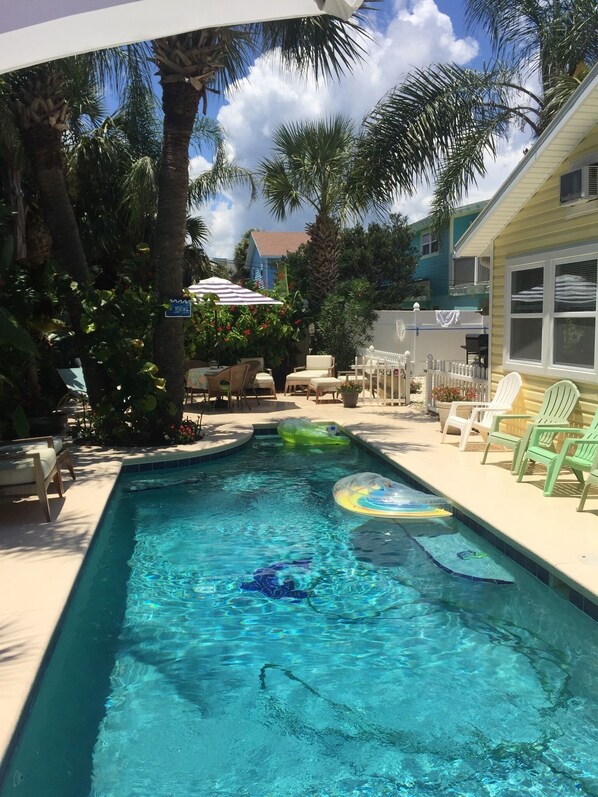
(416,309)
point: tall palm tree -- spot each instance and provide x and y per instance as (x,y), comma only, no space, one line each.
(190,66)
(443,122)
(312,167)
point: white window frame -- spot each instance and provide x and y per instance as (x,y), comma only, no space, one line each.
(548,261)
(431,240)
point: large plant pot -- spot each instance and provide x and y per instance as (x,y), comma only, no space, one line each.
(443,408)
(349,399)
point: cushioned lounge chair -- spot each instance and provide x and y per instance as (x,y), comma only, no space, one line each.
(27,467)
(316,366)
(557,405)
(577,452)
(482,412)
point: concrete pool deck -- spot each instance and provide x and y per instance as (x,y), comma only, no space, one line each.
(40,562)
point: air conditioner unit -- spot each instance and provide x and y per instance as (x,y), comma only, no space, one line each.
(579,185)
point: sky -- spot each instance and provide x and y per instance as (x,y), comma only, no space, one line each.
(406,34)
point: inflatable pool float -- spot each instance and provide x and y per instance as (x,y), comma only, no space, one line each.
(301,432)
(377,496)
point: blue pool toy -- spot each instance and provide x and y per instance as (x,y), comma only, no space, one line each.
(298,431)
(265,580)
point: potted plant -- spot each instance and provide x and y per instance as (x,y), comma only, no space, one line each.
(349,392)
(444,395)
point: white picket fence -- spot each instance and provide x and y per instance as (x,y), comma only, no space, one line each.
(455,374)
(385,376)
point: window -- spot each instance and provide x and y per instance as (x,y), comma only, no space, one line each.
(471,270)
(551,313)
(429,243)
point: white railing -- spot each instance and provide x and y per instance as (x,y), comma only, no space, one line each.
(385,376)
(473,378)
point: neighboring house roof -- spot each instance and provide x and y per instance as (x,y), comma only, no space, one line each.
(274,244)
(464,210)
(574,121)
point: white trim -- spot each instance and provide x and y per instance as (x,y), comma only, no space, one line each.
(548,261)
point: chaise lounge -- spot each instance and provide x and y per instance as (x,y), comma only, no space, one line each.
(316,366)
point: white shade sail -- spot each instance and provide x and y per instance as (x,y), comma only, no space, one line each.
(34,31)
(229,293)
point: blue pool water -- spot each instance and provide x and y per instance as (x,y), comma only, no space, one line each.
(380,675)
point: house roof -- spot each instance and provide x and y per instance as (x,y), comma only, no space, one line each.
(474,207)
(278,244)
(574,121)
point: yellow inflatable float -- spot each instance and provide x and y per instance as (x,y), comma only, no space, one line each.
(377,496)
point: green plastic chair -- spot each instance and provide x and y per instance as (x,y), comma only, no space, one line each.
(557,405)
(577,453)
(591,481)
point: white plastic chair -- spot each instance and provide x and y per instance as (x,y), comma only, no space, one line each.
(482,412)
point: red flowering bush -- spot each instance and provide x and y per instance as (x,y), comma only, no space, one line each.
(185,433)
(453,393)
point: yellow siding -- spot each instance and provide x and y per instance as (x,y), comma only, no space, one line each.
(542,224)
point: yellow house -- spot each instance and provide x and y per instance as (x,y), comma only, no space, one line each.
(540,231)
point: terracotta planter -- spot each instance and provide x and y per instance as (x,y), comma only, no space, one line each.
(443,408)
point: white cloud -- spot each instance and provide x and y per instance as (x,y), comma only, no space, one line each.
(417,35)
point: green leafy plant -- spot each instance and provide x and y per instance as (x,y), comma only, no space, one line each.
(350,387)
(453,393)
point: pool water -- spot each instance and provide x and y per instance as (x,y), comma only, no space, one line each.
(379,674)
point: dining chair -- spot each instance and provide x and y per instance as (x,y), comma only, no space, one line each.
(229,383)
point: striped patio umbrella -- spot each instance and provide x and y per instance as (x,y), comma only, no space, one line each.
(229,293)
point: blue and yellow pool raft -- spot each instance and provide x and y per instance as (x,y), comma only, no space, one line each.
(377,496)
(301,432)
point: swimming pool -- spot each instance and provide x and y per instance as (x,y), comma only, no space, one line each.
(380,675)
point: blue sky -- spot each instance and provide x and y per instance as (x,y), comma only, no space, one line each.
(407,34)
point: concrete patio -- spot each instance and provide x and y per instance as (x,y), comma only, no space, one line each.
(39,562)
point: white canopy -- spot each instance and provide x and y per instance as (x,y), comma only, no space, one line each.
(34,31)
(229,293)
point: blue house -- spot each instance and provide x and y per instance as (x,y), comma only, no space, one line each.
(265,251)
(447,282)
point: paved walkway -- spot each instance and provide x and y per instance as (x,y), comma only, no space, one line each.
(39,561)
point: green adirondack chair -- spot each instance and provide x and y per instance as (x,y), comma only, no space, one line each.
(576,453)
(591,481)
(557,405)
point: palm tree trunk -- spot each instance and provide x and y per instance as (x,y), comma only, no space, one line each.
(180,102)
(43,145)
(323,260)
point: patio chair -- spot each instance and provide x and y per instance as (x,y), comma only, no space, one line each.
(591,481)
(253,367)
(229,383)
(28,466)
(316,366)
(557,405)
(263,379)
(577,453)
(482,412)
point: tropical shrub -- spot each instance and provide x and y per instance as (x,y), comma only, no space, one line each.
(227,333)
(346,320)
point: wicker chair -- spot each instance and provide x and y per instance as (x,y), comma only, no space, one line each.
(229,383)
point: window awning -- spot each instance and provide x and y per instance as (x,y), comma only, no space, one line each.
(34,31)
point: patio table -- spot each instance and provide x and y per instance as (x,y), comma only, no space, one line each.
(197,379)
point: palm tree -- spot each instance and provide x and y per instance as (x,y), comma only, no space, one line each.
(443,122)
(313,167)
(190,66)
